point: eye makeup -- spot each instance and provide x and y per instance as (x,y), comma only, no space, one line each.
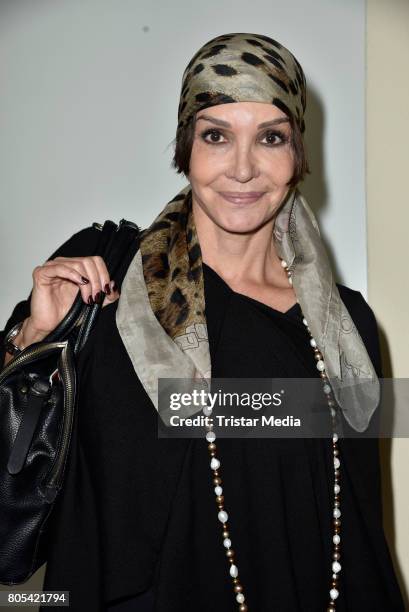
(271,133)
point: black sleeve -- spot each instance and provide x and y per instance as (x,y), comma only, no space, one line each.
(365,322)
(82,244)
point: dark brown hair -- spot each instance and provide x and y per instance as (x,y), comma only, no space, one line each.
(183,144)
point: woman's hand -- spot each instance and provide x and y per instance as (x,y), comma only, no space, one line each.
(55,286)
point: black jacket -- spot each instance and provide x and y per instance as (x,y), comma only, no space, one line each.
(137,512)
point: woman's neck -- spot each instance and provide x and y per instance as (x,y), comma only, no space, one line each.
(240,259)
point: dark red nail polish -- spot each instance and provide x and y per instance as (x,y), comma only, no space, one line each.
(84,280)
(114,287)
(97,298)
(90,301)
(107,289)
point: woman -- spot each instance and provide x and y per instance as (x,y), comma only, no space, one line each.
(231,280)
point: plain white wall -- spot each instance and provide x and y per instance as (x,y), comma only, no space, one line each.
(88,110)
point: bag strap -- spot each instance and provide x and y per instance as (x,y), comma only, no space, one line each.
(114,242)
(119,243)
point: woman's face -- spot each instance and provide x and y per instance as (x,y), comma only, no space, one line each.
(241,148)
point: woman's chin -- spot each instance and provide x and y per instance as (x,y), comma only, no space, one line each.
(241,226)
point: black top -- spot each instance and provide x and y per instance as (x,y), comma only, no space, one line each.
(137,514)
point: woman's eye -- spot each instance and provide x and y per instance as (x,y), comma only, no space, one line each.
(275,138)
(211,136)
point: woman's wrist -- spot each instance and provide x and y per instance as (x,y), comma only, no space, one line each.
(29,334)
(26,335)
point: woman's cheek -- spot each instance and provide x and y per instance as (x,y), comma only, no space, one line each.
(208,153)
(280,167)
(205,162)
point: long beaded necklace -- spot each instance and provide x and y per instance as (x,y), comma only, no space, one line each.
(336,514)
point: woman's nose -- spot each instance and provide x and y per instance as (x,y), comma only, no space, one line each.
(244,165)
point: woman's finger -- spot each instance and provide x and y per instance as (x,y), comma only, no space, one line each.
(91,272)
(59,270)
(87,269)
(113,295)
(103,274)
(47,274)
(94,269)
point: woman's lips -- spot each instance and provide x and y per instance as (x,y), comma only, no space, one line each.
(241,197)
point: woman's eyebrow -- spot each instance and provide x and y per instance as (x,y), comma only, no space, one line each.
(226,124)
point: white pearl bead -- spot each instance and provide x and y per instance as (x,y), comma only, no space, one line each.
(283,263)
(210,436)
(333,593)
(234,571)
(223,516)
(215,463)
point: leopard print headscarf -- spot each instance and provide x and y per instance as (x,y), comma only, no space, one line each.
(243,68)
(161,312)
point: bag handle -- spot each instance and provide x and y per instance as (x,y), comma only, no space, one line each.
(117,247)
(115,240)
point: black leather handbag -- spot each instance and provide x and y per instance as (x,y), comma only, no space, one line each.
(37,404)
